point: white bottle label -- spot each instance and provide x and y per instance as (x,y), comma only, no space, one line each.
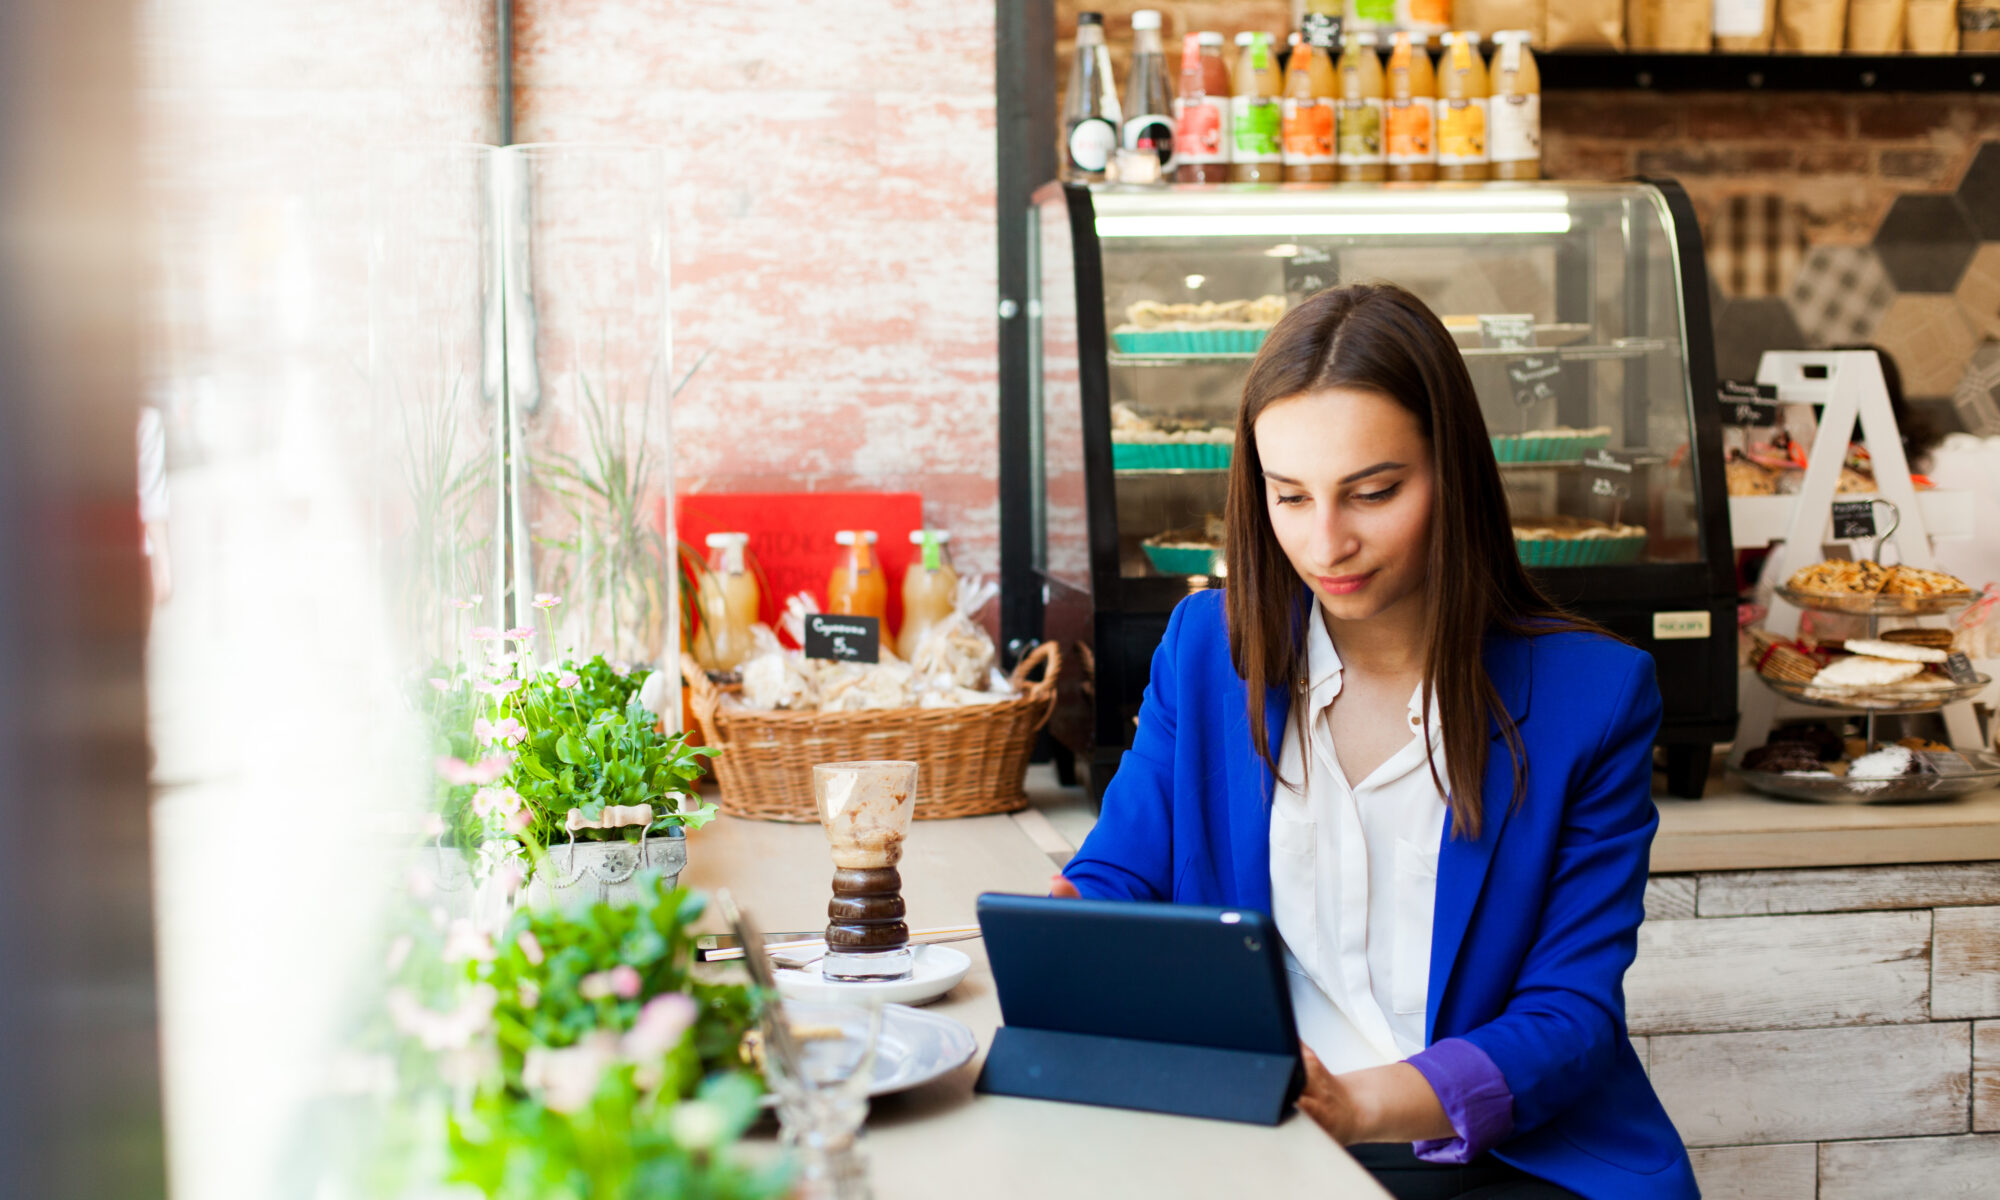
(1091,142)
(1516,134)
(1360,134)
(1157,126)
(1739,18)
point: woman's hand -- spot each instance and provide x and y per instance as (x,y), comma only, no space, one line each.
(1377,1104)
(1060,888)
(1329,1102)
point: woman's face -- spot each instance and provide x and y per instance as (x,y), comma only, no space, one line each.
(1349,486)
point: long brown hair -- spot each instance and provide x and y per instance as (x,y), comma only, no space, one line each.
(1382,338)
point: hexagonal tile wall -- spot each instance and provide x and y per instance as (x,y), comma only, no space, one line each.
(1979,291)
(1979,191)
(1931,339)
(1978,396)
(1840,294)
(1745,327)
(1925,243)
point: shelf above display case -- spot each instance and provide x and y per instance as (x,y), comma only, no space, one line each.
(1581,70)
(1621,348)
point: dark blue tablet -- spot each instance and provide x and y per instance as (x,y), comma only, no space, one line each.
(1163,1007)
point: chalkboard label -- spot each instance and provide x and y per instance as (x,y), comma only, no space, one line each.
(1750,405)
(1310,270)
(1534,378)
(1507,331)
(1944,762)
(843,638)
(1853,519)
(1959,667)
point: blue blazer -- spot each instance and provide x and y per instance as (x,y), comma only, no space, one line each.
(1536,921)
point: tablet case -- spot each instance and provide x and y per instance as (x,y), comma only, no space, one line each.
(1166,1008)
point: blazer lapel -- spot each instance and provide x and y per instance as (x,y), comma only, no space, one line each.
(1250,784)
(1463,862)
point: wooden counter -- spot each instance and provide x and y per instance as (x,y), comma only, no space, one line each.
(1731,829)
(942,1139)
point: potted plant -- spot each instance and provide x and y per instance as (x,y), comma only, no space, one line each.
(559,774)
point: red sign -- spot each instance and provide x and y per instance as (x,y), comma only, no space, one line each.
(791,536)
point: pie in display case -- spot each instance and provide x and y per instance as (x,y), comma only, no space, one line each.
(1582,314)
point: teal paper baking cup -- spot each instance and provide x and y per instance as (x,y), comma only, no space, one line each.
(1182,560)
(1578,552)
(1515,448)
(1189,341)
(1170,456)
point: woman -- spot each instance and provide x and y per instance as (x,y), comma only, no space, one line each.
(1446,806)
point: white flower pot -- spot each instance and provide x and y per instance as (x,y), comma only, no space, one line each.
(588,872)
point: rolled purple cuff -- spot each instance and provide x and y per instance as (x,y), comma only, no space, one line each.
(1475,1096)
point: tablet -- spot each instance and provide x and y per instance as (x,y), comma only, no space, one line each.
(1164,1007)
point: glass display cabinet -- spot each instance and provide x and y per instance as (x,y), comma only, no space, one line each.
(1582,313)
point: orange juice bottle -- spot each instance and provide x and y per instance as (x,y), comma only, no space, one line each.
(1412,110)
(930,590)
(1310,89)
(856,587)
(1462,108)
(1256,152)
(728,598)
(1514,135)
(1360,138)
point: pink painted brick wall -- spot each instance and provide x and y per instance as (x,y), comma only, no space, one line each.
(833,246)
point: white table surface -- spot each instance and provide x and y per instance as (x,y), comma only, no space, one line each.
(943,1140)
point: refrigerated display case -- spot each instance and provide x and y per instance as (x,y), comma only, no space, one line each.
(1582,313)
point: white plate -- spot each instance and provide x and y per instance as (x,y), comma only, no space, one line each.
(935,971)
(914,1048)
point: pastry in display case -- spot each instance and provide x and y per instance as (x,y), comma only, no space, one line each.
(1581,313)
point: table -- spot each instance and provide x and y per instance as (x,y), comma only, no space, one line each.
(941,1139)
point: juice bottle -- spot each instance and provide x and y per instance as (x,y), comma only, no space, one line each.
(728,598)
(1310,88)
(1256,152)
(930,589)
(1360,153)
(856,587)
(1149,98)
(1202,112)
(1412,110)
(1462,107)
(1091,116)
(1514,135)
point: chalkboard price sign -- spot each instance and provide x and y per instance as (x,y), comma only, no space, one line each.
(1310,270)
(1853,519)
(1750,405)
(843,638)
(1959,667)
(1534,378)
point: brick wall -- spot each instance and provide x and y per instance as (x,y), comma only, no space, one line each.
(832,197)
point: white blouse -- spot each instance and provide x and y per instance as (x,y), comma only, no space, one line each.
(1354,879)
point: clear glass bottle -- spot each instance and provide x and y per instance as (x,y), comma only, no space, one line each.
(1202,112)
(1411,116)
(1462,108)
(1091,113)
(856,587)
(1149,95)
(1256,153)
(1514,132)
(1360,151)
(1310,97)
(930,589)
(728,598)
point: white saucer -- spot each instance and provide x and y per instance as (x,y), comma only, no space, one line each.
(935,971)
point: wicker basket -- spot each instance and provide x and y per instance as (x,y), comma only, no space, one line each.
(972,760)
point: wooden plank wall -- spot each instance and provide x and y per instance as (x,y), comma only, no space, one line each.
(1827,1034)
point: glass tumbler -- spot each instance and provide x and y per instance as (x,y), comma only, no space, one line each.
(865,808)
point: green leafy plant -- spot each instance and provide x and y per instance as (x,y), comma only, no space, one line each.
(532,755)
(587,1061)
